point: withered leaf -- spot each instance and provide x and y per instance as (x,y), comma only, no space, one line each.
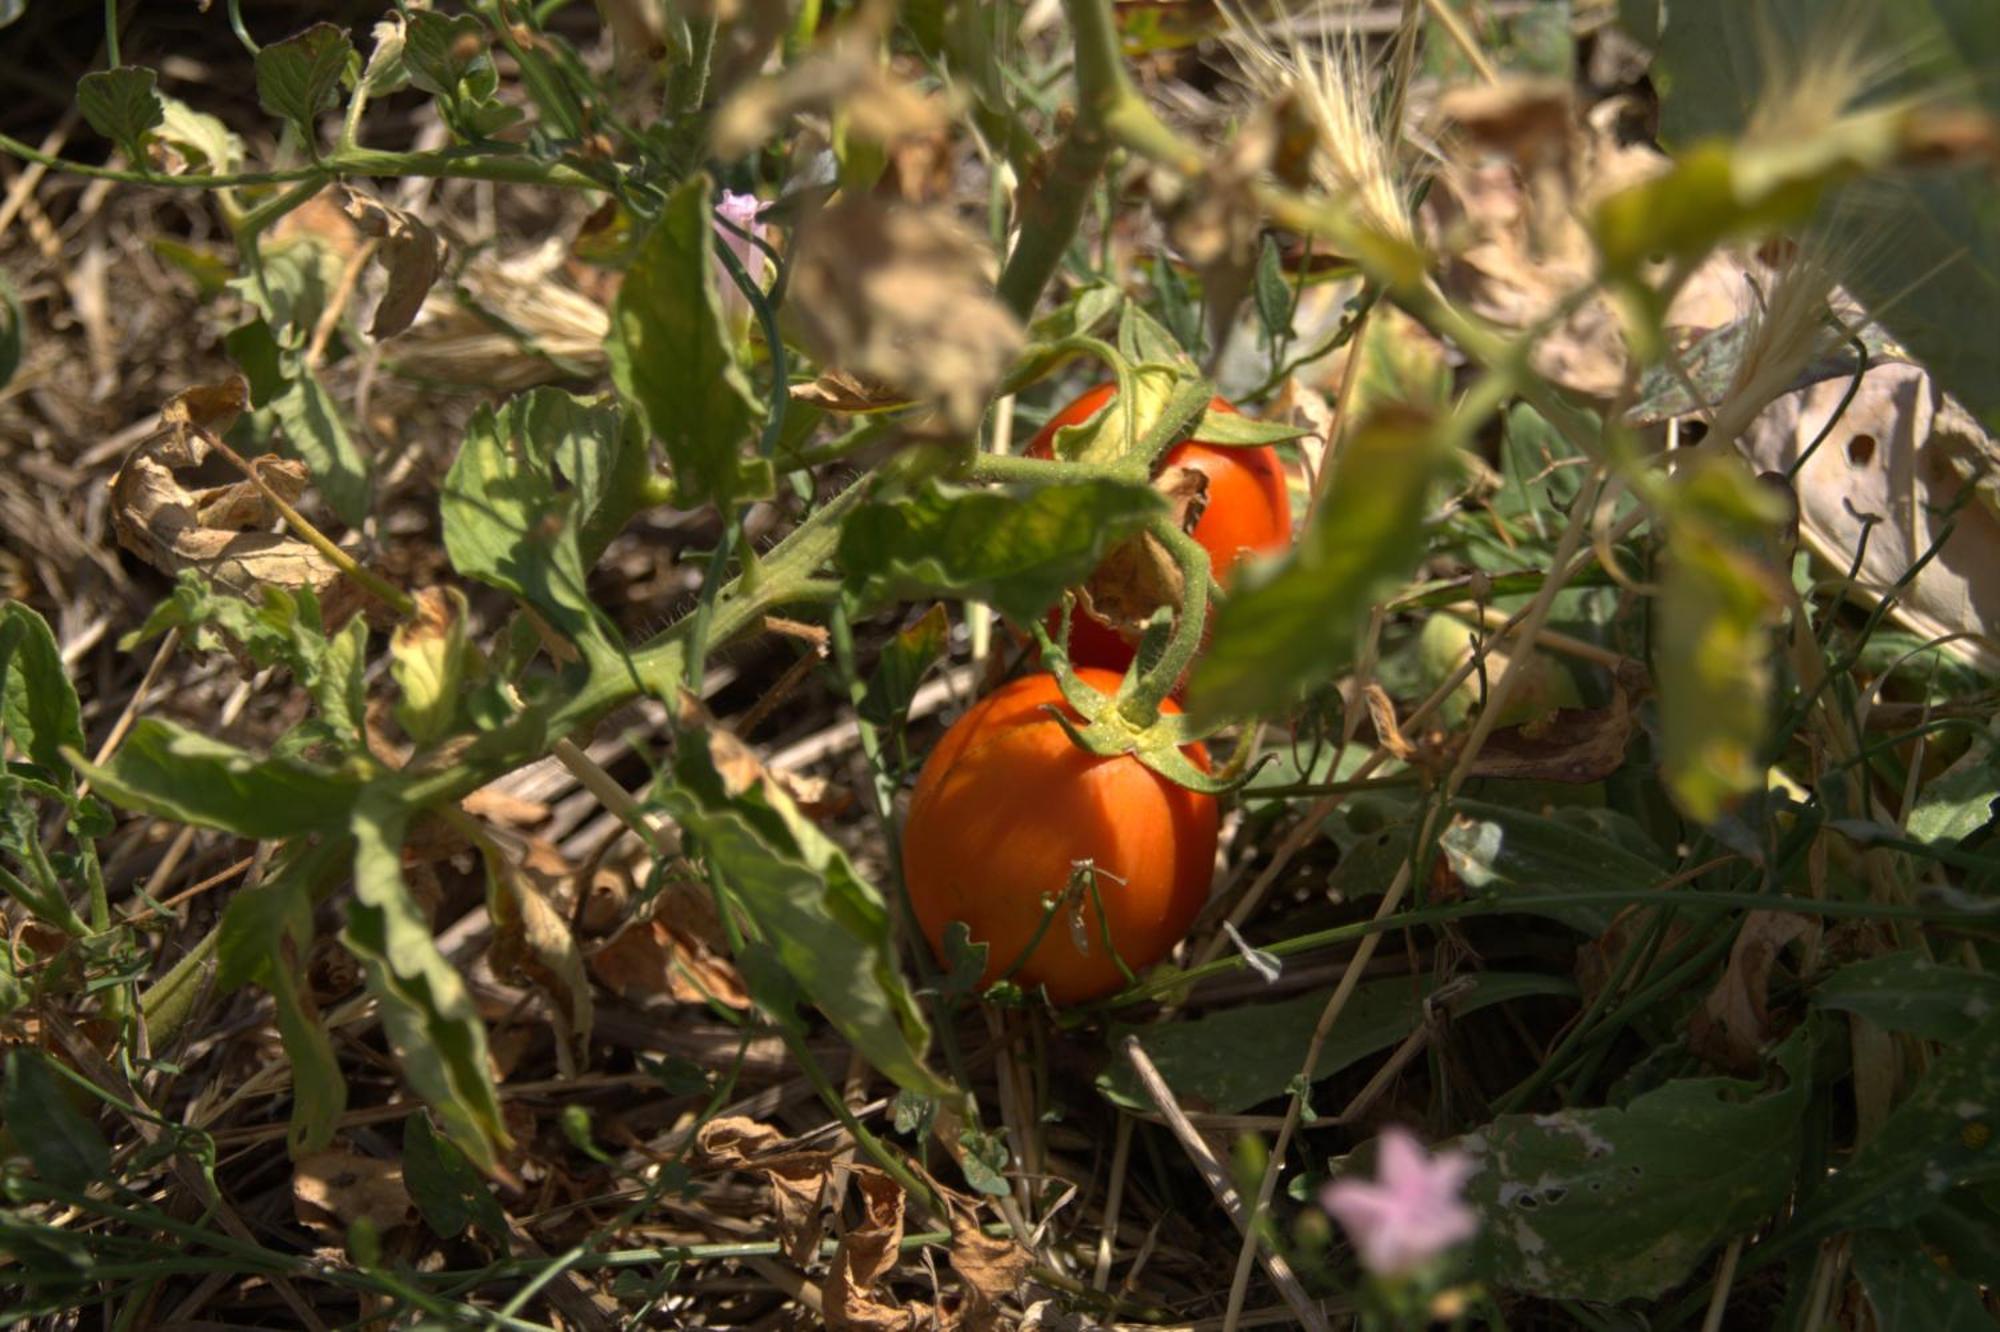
(1734,1023)
(903,296)
(1525,118)
(864,1255)
(992,1267)
(206,406)
(839,391)
(531,938)
(411,254)
(846,72)
(169,526)
(798,1176)
(650,959)
(1576,745)
(333,1189)
(1138,575)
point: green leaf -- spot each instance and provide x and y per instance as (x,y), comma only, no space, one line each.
(1508,852)
(444,54)
(340,691)
(122,104)
(319,1090)
(165,769)
(601,453)
(1940,1138)
(1907,992)
(208,145)
(254,349)
(506,523)
(442,1182)
(1956,805)
(300,77)
(1273,296)
(38,707)
(1907,1289)
(1623,1203)
(428,658)
(13,330)
(66,1148)
(1719,593)
(427,1010)
(901,667)
(1291,624)
(1235,430)
(291,287)
(317,432)
(1014,546)
(826,925)
(671,353)
(1235,1058)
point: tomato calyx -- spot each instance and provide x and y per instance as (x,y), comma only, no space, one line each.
(1132,721)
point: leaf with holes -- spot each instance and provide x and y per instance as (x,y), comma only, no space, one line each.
(1621,1203)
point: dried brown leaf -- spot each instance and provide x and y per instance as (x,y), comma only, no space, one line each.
(846,72)
(798,1176)
(838,391)
(333,1189)
(532,941)
(650,959)
(411,255)
(866,1253)
(165,524)
(903,296)
(992,1267)
(1734,1023)
(1568,745)
(1528,119)
(206,407)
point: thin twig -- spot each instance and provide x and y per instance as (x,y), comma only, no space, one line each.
(1307,1310)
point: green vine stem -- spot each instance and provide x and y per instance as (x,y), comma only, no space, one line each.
(444,163)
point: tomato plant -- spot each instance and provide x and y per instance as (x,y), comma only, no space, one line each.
(1054,856)
(1247,509)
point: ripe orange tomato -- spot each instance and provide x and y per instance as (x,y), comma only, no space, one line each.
(1248,509)
(1011,815)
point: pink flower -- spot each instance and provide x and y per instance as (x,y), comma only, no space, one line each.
(1411,1213)
(739,210)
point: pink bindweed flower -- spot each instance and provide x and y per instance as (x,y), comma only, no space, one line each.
(1411,1213)
(740,210)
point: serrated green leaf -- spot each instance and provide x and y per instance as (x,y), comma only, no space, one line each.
(505,521)
(447,1190)
(1905,992)
(1623,1203)
(122,104)
(443,51)
(66,1149)
(1273,296)
(314,427)
(1291,624)
(38,706)
(1016,547)
(1235,1058)
(433,1026)
(671,353)
(168,770)
(300,76)
(825,925)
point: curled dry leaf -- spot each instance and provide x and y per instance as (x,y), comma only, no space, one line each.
(838,391)
(174,528)
(1138,575)
(532,941)
(741,769)
(1514,250)
(846,72)
(1881,486)
(331,1190)
(1734,1023)
(865,1254)
(411,254)
(798,1176)
(650,959)
(992,1267)
(1576,745)
(903,296)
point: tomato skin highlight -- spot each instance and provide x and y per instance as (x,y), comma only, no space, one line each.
(1007,804)
(1248,509)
